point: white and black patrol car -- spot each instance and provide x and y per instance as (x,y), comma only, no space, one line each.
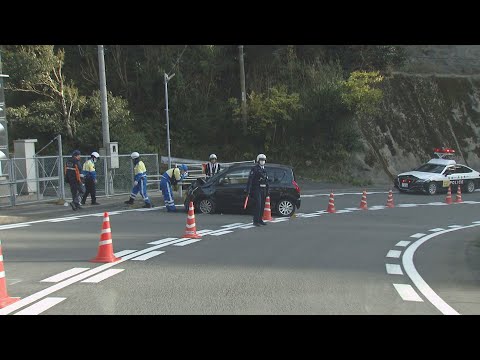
(436,175)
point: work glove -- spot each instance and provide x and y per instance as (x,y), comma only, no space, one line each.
(135,183)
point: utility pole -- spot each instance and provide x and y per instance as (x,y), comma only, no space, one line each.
(105,126)
(167,79)
(242,85)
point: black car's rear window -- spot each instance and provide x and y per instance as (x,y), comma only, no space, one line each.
(280,175)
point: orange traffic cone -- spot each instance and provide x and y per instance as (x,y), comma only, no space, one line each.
(448,199)
(191,228)
(105,246)
(458,198)
(331,204)
(5,300)
(390,200)
(267,212)
(363,202)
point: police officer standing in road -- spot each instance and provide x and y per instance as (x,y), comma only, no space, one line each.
(140,181)
(74,177)
(257,188)
(212,167)
(90,177)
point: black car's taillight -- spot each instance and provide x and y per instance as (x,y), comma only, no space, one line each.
(294,183)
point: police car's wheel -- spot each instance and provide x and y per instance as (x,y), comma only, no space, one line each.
(432,188)
(285,207)
(206,206)
(470,186)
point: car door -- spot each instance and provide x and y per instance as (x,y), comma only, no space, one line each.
(230,193)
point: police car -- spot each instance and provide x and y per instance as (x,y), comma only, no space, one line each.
(436,175)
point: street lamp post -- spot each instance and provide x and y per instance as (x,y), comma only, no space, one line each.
(167,79)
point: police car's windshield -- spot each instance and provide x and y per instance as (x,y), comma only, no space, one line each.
(431,168)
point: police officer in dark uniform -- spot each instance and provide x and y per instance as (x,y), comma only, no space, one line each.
(257,188)
(73,175)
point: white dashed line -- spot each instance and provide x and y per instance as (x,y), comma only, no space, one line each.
(394,269)
(149,255)
(454,226)
(187,242)
(393,254)
(41,306)
(417,235)
(403,243)
(124,252)
(218,233)
(64,275)
(436,229)
(157,242)
(407,292)
(102,276)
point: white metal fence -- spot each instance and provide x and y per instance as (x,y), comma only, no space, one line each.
(41,179)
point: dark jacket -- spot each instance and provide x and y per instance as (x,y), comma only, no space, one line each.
(72,171)
(257,179)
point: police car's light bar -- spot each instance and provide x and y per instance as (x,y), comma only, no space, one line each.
(444,151)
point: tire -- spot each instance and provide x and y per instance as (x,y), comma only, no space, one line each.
(469,186)
(285,207)
(432,188)
(206,206)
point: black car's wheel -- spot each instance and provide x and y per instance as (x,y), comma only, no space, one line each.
(285,207)
(432,188)
(206,206)
(469,186)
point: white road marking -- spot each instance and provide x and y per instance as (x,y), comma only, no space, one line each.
(248,226)
(280,220)
(64,275)
(204,231)
(149,255)
(13,226)
(435,203)
(436,229)
(102,276)
(407,292)
(123,252)
(64,219)
(353,209)
(417,235)
(343,211)
(403,243)
(476,222)
(406,205)
(421,285)
(220,233)
(38,295)
(41,306)
(156,242)
(454,226)
(232,225)
(393,254)
(311,215)
(394,269)
(377,207)
(187,242)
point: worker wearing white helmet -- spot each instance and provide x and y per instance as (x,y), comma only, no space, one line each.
(90,178)
(212,167)
(257,189)
(140,181)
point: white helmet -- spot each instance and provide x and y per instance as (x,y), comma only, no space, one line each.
(213,156)
(261,157)
(97,155)
(135,155)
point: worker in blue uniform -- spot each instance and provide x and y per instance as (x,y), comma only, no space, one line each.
(172,177)
(140,181)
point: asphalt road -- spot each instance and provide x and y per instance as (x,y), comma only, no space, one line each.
(420,257)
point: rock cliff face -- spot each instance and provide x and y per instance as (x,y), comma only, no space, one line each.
(420,112)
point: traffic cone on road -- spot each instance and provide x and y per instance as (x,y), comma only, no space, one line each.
(5,300)
(448,199)
(363,202)
(267,212)
(191,228)
(105,246)
(458,198)
(390,200)
(331,204)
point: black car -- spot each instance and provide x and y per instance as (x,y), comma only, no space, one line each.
(225,191)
